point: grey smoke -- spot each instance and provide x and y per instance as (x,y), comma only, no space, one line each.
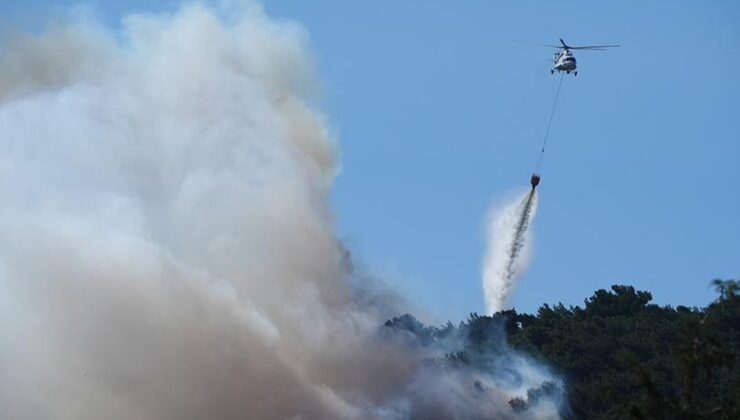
(166,246)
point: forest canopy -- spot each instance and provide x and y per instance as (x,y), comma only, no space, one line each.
(619,355)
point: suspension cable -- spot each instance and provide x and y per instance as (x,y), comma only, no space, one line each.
(538,166)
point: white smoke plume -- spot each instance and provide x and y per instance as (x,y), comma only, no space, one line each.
(508,248)
(166,246)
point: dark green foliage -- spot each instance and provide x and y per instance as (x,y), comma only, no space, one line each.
(619,355)
(623,357)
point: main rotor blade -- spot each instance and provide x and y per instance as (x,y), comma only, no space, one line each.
(535,43)
(566,46)
(593,47)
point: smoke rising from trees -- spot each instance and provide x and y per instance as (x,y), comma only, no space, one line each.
(166,246)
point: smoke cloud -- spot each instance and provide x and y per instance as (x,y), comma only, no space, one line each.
(508,251)
(166,246)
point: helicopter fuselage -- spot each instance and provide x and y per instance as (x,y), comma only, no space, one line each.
(564,61)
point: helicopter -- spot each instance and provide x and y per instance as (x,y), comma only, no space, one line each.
(565,61)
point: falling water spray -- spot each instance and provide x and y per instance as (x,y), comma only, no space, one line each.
(507,252)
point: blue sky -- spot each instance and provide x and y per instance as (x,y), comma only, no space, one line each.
(439,113)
